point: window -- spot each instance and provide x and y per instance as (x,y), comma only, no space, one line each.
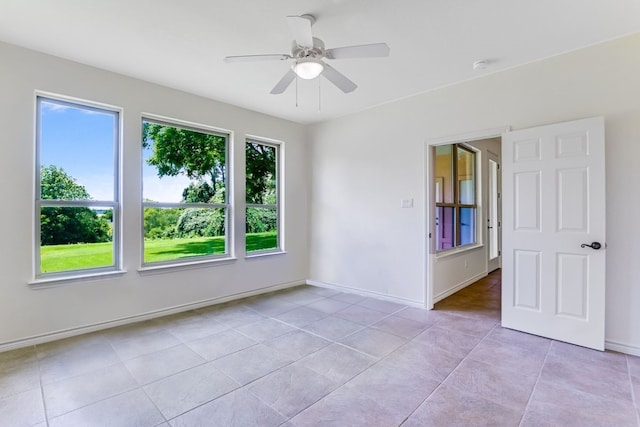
(77,209)
(185,192)
(263,196)
(455,182)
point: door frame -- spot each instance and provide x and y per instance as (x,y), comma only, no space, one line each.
(497,223)
(429,189)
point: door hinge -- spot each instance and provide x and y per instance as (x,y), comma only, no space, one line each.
(429,235)
(499,253)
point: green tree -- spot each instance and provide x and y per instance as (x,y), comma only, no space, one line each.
(200,192)
(64,225)
(160,223)
(178,151)
(261,173)
(55,183)
(260,220)
(197,222)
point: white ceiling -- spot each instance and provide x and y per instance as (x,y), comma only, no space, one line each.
(181,44)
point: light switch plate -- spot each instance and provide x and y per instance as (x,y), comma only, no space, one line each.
(406,203)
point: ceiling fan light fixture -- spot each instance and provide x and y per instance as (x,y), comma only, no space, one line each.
(308,68)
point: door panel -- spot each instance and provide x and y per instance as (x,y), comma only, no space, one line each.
(527,280)
(554,201)
(572,285)
(573,195)
(527,201)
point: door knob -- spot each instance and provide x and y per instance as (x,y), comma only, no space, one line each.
(593,245)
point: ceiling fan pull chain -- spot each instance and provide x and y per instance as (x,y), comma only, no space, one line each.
(319,94)
(296,92)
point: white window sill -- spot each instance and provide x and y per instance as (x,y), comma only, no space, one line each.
(187,265)
(55,281)
(253,255)
(458,251)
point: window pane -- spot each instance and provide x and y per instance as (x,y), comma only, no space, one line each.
(75,238)
(493,209)
(262,189)
(467,226)
(183,165)
(176,233)
(262,229)
(261,175)
(445,228)
(76,152)
(466,177)
(444,174)
(78,142)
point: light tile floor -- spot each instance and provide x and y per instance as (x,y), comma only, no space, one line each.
(311,357)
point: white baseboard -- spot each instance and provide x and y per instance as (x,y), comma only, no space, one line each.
(456,288)
(67,333)
(622,348)
(372,294)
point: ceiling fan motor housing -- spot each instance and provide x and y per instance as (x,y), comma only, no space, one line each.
(317,51)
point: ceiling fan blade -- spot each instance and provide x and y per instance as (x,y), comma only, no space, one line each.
(284,83)
(301,29)
(363,51)
(338,79)
(251,58)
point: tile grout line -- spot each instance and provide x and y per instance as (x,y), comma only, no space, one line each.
(447,377)
(363,327)
(44,401)
(633,393)
(533,390)
(138,386)
(141,386)
(242,386)
(332,341)
(452,370)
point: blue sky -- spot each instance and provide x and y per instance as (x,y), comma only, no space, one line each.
(81,141)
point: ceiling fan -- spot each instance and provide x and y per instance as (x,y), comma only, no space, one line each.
(308,53)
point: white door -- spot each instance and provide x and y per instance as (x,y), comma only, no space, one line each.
(494,217)
(553,181)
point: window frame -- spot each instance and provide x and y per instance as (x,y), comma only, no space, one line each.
(279,162)
(227,206)
(456,205)
(39,202)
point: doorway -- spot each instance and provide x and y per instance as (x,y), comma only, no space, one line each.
(451,269)
(554,240)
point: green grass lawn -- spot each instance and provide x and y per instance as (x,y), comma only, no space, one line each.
(94,255)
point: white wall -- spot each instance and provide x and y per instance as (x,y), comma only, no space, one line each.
(26,312)
(364,164)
